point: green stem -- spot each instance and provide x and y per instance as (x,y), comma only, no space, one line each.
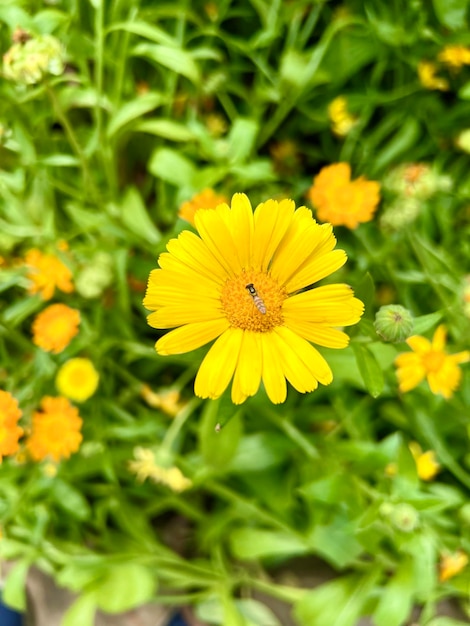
(178,423)
(293,433)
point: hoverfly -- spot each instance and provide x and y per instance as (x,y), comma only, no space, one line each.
(259,304)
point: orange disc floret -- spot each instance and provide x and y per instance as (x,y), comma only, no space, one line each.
(55,327)
(46,273)
(10,432)
(206,199)
(55,430)
(342,201)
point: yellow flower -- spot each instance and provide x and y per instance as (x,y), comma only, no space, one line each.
(426,463)
(77,379)
(55,431)
(342,201)
(427,76)
(10,432)
(429,360)
(452,564)
(46,273)
(341,120)
(145,467)
(454,56)
(245,283)
(168,400)
(55,327)
(206,199)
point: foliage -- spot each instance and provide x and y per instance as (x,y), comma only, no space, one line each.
(157,101)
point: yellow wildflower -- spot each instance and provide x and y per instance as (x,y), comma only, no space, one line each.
(206,199)
(55,327)
(245,282)
(341,120)
(342,201)
(145,466)
(55,431)
(427,76)
(429,360)
(46,273)
(10,432)
(426,464)
(452,564)
(454,56)
(167,400)
(77,379)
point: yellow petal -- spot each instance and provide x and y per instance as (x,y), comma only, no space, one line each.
(171,316)
(321,334)
(239,221)
(317,267)
(219,364)
(213,229)
(273,373)
(190,337)
(439,338)
(419,344)
(333,305)
(272,220)
(193,253)
(248,371)
(410,377)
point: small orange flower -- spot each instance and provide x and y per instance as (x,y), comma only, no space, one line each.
(55,431)
(55,327)
(206,199)
(429,360)
(454,56)
(10,432)
(77,379)
(342,201)
(427,76)
(46,273)
(452,564)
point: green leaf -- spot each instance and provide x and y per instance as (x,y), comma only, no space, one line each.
(168,129)
(60,160)
(254,543)
(396,600)
(241,139)
(70,499)
(134,215)
(369,368)
(14,590)
(336,542)
(81,612)
(451,13)
(365,291)
(125,587)
(218,447)
(144,29)
(423,323)
(406,137)
(257,613)
(259,452)
(175,59)
(170,166)
(337,603)
(133,110)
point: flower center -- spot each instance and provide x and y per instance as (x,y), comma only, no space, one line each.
(434,360)
(253,301)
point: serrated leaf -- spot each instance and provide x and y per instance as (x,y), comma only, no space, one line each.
(369,368)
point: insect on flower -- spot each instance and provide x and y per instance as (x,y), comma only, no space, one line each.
(259,304)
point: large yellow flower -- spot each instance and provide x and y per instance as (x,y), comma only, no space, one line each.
(342,201)
(429,360)
(245,283)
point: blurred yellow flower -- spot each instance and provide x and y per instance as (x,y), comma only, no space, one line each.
(32,57)
(427,76)
(46,272)
(144,466)
(55,327)
(429,360)
(77,379)
(55,430)
(10,432)
(342,201)
(341,119)
(206,199)
(454,56)
(167,400)
(452,564)
(426,464)
(242,282)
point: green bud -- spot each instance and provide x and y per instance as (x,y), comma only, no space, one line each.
(29,61)
(95,277)
(404,517)
(393,323)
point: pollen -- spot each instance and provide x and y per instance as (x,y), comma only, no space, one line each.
(240,307)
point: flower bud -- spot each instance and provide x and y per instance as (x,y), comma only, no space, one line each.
(29,60)
(404,517)
(393,323)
